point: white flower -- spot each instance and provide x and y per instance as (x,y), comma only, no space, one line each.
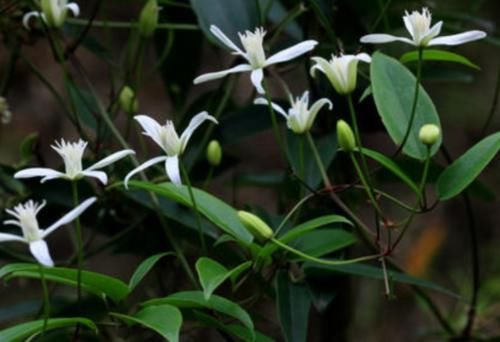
(422,34)
(72,154)
(54,12)
(255,56)
(300,116)
(341,70)
(25,218)
(167,138)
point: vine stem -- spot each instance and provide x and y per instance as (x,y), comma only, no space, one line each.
(195,207)
(274,120)
(367,187)
(79,243)
(46,301)
(323,261)
(127,25)
(318,160)
(415,101)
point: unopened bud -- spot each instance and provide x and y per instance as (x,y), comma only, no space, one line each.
(128,100)
(429,134)
(148,19)
(345,136)
(214,153)
(255,225)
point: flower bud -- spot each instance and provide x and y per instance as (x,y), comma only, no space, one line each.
(345,136)
(255,225)
(128,100)
(5,113)
(214,153)
(429,134)
(148,19)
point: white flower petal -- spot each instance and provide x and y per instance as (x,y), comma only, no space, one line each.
(291,52)
(28,16)
(457,39)
(100,175)
(378,38)
(276,107)
(10,237)
(40,251)
(364,57)
(39,172)
(150,126)
(314,110)
(256,76)
(172,169)
(195,122)
(141,167)
(225,40)
(220,74)
(70,216)
(110,159)
(73,8)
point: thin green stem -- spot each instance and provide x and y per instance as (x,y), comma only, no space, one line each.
(292,14)
(274,120)
(318,160)
(208,179)
(388,197)
(415,102)
(323,261)
(368,189)
(46,299)
(291,212)
(79,243)
(128,25)
(195,207)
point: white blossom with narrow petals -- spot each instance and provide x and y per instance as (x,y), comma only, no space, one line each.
(54,12)
(418,25)
(169,141)
(72,155)
(340,70)
(253,52)
(300,117)
(25,217)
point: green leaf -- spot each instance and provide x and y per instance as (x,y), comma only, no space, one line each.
(196,300)
(230,16)
(438,55)
(96,283)
(373,272)
(388,78)
(293,303)
(85,104)
(165,319)
(212,274)
(215,210)
(144,268)
(390,165)
(302,229)
(23,331)
(462,172)
(324,241)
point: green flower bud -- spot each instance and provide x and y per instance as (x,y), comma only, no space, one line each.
(148,19)
(345,136)
(429,134)
(128,100)
(255,225)
(214,153)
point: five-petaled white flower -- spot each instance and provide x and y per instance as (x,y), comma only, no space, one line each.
(167,138)
(25,218)
(422,34)
(300,116)
(72,154)
(255,56)
(341,70)
(54,12)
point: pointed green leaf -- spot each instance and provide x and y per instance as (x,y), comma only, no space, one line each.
(144,268)
(293,303)
(462,172)
(215,210)
(165,319)
(437,55)
(196,300)
(21,332)
(212,274)
(321,242)
(96,283)
(388,78)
